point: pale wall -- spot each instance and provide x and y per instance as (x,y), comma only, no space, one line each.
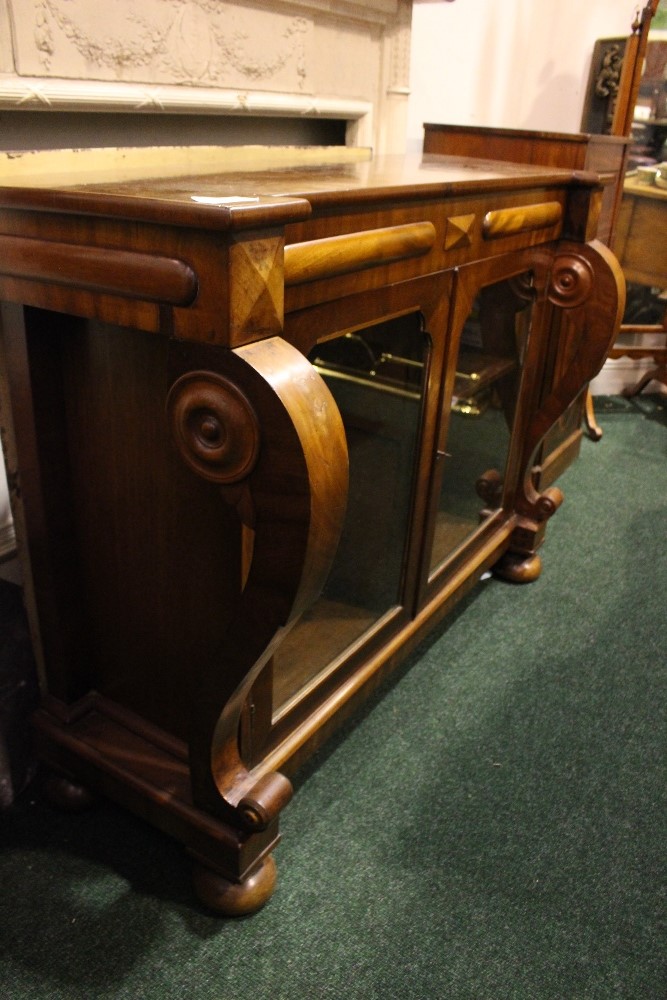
(509,64)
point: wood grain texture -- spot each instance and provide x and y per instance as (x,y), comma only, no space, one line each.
(521,219)
(108,271)
(338,255)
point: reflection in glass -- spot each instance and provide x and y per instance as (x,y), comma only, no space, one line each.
(377,378)
(488,368)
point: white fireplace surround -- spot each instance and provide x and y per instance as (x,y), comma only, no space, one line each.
(316,58)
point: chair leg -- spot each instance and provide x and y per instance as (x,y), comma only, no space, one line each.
(593,430)
(658,374)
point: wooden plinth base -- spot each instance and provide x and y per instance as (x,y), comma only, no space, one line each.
(100,746)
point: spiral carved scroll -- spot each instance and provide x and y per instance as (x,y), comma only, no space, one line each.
(547,503)
(214,426)
(571,281)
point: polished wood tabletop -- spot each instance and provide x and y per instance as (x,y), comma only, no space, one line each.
(215,189)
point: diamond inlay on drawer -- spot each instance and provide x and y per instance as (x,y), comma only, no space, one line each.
(457,233)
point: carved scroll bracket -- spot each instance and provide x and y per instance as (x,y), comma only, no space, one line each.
(260,423)
(586,293)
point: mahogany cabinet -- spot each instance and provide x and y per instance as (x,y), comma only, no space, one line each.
(244,486)
(604,155)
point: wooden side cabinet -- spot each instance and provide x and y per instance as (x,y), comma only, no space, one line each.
(641,246)
(244,483)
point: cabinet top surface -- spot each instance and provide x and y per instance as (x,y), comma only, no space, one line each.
(535,134)
(238,187)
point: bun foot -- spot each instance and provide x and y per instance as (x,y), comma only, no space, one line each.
(68,795)
(235,899)
(518,568)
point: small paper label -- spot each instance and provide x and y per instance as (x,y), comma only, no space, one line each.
(232,199)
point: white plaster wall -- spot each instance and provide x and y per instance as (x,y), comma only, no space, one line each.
(515,64)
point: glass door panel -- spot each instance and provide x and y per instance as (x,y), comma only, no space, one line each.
(377,377)
(488,370)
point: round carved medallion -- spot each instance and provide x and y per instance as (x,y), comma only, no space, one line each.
(214,426)
(571,281)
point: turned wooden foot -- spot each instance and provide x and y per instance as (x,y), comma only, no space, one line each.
(235,899)
(518,568)
(66,794)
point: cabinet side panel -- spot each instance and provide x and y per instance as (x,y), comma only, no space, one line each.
(158,548)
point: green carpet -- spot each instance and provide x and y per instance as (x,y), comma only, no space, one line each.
(493,826)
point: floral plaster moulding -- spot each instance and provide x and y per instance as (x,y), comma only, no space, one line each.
(162,41)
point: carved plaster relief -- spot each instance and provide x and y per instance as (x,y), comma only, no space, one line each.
(204,42)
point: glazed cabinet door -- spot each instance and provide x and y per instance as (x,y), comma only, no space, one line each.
(381,355)
(483,394)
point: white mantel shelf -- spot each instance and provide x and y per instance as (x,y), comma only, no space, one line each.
(39,94)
